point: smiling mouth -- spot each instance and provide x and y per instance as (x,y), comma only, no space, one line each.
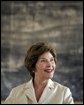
(49,70)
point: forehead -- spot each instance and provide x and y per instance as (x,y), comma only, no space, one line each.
(46,55)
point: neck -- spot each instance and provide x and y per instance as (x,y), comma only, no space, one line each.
(38,82)
(39,85)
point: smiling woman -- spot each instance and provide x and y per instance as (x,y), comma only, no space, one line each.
(34,55)
(40,61)
(45,66)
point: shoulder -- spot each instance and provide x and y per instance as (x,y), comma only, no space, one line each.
(18,88)
(65,91)
(58,85)
(61,88)
(16,91)
(21,86)
(61,91)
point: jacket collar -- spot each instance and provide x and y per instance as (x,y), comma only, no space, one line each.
(30,93)
(47,91)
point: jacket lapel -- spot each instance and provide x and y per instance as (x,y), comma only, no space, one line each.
(47,92)
(29,92)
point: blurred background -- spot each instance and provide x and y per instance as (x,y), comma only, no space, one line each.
(58,22)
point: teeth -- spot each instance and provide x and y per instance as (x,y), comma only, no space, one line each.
(48,70)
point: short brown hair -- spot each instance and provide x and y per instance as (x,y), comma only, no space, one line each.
(34,52)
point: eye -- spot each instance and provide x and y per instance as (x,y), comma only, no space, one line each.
(52,60)
(43,60)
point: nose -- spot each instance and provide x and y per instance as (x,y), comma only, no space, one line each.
(49,63)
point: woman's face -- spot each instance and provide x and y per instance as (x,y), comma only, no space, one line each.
(45,66)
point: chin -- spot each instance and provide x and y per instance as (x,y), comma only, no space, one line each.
(50,77)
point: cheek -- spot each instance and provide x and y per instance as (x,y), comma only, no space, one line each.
(40,66)
(37,66)
(54,65)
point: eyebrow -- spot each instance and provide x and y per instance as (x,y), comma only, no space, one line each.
(46,58)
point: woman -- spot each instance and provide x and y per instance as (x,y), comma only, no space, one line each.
(41,62)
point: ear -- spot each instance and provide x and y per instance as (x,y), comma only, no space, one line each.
(34,70)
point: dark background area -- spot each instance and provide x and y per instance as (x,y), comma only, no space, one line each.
(26,22)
